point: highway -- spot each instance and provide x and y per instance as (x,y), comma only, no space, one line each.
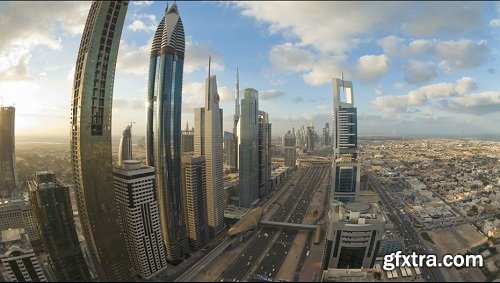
(213,254)
(296,203)
(412,241)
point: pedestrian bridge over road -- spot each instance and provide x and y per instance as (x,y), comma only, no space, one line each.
(253,218)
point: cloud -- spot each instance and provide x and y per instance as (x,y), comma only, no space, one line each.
(15,70)
(370,68)
(423,95)
(463,54)
(495,23)
(451,55)
(417,72)
(291,57)
(268,95)
(133,59)
(146,23)
(298,99)
(442,18)
(141,3)
(478,103)
(327,68)
(197,57)
(38,22)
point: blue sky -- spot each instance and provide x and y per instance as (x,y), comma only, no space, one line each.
(418,68)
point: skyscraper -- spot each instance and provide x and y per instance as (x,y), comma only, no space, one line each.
(346,170)
(345,132)
(139,218)
(8,174)
(208,143)
(326,134)
(187,139)
(353,236)
(195,200)
(229,151)
(18,258)
(289,142)
(248,152)
(52,207)
(264,153)
(163,129)
(310,138)
(125,149)
(91,153)
(236,118)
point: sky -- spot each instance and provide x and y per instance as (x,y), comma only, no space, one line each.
(418,68)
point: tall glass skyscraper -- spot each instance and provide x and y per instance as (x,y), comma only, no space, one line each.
(248,152)
(8,175)
(346,171)
(52,207)
(163,129)
(91,154)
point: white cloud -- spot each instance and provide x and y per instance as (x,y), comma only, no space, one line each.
(133,59)
(424,95)
(478,104)
(141,3)
(291,57)
(399,85)
(370,68)
(495,23)
(197,57)
(14,67)
(417,72)
(145,22)
(463,54)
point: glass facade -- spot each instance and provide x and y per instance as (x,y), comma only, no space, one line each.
(8,174)
(163,130)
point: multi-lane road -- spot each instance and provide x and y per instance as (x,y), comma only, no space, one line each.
(263,256)
(412,241)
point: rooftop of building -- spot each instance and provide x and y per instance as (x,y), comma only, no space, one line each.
(132,167)
(12,240)
(355,213)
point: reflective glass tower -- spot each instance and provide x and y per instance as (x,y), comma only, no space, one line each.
(346,171)
(8,175)
(163,129)
(91,154)
(248,151)
(52,207)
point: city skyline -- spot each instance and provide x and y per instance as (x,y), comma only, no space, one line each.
(413,86)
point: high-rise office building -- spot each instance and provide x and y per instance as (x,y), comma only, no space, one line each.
(326,139)
(289,143)
(248,152)
(52,208)
(310,138)
(19,262)
(187,139)
(125,149)
(345,132)
(195,200)
(236,118)
(229,152)
(208,143)
(8,173)
(19,214)
(138,215)
(264,153)
(345,179)
(163,129)
(91,152)
(353,236)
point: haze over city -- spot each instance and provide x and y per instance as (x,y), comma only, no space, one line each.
(425,68)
